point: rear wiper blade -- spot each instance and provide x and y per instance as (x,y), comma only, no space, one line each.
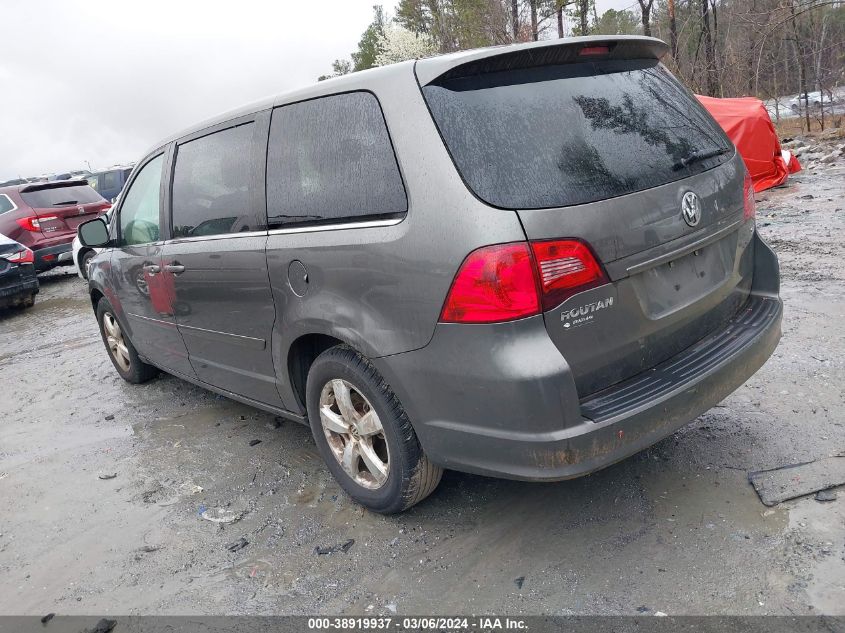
(64,204)
(697,157)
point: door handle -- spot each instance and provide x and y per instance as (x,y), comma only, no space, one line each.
(151,269)
(174,268)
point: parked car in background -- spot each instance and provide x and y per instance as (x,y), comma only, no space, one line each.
(798,102)
(83,255)
(109,183)
(43,217)
(18,283)
(526,261)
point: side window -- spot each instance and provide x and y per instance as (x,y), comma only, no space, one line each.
(94,181)
(111,180)
(139,217)
(213,184)
(331,160)
(6,203)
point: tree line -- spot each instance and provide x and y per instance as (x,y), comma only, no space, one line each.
(723,48)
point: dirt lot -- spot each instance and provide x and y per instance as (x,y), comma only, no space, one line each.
(676,529)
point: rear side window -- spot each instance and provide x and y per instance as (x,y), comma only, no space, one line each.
(60,196)
(562,135)
(5,203)
(330,160)
(213,184)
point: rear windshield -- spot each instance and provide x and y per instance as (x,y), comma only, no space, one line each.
(61,196)
(561,135)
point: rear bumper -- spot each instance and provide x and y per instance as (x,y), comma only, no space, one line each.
(46,258)
(500,400)
(18,285)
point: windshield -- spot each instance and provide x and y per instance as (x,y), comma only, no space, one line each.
(562,135)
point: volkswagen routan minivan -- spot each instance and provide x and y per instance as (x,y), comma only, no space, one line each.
(528,261)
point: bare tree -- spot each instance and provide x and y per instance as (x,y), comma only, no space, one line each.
(709,49)
(673,33)
(584,15)
(801,62)
(560,20)
(645,10)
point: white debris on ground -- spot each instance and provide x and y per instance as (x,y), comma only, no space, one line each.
(817,152)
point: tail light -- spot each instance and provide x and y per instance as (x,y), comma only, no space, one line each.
(505,282)
(24,256)
(750,207)
(34,223)
(495,283)
(565,267)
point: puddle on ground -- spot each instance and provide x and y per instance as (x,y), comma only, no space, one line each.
(817,544)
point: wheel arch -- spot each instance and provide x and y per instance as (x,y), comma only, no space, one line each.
(80,254)
(301,354)
(96,294)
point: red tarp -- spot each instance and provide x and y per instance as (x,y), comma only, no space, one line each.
(749,126)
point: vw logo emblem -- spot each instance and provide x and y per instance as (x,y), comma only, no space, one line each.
(691,208)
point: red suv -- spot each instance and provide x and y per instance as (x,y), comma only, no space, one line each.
(43,216)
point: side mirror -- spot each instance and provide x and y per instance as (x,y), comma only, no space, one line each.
(94,233)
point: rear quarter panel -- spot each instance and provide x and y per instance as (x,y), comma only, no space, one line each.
(381,289)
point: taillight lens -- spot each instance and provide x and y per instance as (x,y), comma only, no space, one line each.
(565,267)
(495,283)
(34,223)
(750,207)
(24,256)
(512,281)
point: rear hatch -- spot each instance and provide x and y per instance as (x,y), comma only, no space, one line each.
(597,141)
(62,206)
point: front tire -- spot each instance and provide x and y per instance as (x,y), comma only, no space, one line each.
(120,349)
(364,435)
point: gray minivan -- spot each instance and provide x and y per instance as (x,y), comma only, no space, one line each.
(528,261)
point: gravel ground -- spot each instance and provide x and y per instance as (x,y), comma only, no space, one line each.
(677,528)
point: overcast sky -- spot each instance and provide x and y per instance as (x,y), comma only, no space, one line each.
(99,81)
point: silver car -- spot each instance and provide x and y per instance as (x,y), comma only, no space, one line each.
(528,262)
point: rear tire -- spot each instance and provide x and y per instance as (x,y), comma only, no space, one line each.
(29,301)
(120,349)
(379,460)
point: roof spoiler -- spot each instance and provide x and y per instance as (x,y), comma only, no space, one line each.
(53,184)
(547,52)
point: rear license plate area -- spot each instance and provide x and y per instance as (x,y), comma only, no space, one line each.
(674,285)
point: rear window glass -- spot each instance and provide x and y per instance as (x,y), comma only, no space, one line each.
(61,196)
(331,160)
(570,134)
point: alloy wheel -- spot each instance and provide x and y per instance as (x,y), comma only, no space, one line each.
(115,342)
(354,433)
